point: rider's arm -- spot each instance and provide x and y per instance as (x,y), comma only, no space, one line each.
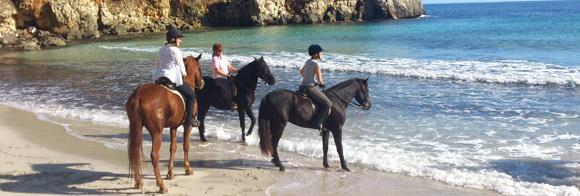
(220,72)
(232,68)
(179,59)
(319,75)
(214,65)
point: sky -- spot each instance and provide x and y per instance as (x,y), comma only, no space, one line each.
(464,1)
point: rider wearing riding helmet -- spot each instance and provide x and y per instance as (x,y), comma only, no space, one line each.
(220,72)
(309,71)
(170,66)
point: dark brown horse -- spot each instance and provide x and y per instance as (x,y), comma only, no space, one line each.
(154,107)
(281,105)
(246,82)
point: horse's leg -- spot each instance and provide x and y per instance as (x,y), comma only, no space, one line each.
(157,136)
(172,148)
(277,128)
(252,118)
(325,149)
(242,116)
(201,112)
(188,169)
(337,134)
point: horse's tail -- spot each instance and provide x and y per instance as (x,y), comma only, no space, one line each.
(264,128)
(135,146)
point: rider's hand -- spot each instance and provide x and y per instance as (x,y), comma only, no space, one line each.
(321,85)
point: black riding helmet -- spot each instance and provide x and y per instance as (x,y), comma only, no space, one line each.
(173,33)
(314,49)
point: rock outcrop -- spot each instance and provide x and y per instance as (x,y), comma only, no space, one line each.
(32,24)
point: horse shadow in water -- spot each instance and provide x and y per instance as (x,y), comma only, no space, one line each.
(281,106)
(62,177)
(553,172)
(246,82)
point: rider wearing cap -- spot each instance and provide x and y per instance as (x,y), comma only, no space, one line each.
(170,65)
(311,70)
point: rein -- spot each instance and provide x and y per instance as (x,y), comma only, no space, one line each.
(241,83)
(354,104)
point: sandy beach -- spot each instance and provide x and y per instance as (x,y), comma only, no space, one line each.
(39,157)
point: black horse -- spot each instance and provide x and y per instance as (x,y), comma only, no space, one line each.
(246,81)
(281,105)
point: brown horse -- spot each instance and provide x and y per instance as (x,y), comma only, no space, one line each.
(154,107)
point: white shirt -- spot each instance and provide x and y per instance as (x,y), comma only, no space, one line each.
(220,63)
(170,65)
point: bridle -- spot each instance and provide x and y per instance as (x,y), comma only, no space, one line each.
(352,103)
(261,75)
(193,85)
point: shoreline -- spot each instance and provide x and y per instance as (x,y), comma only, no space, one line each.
(39,157)
(37,161)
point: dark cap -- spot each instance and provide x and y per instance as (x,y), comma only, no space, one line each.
(314,49)
(173,33)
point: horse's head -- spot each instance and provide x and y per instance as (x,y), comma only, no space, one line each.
(362,96)
(193,70)
(264,71)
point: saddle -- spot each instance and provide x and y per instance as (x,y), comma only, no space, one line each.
(166,82)
(170,86)
(304,95)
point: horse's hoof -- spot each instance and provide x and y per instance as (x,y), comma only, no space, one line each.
(163,189)
(139,185)
(169,176)
(326,166)
(188,171)
(346,169)
(282,168)
(274,162)
(249,133)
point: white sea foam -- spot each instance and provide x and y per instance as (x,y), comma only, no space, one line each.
(499,71)
(495,71)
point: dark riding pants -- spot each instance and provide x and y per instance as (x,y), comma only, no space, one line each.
(324,104)
(228,87)
(189,96)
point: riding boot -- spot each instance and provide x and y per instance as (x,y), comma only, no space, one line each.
(319,117)
(233,105)
(189,121)
(232,86)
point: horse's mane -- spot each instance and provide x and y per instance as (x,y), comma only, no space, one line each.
(245,67)
(342,84)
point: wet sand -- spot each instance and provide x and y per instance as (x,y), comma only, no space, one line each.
(39,157)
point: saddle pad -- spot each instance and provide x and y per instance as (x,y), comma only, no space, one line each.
(175,92)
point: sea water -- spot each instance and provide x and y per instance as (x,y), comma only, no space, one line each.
(480,95)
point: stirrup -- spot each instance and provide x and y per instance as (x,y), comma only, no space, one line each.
(234,107)
(195,123)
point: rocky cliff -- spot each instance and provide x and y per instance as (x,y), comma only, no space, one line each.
(32,24)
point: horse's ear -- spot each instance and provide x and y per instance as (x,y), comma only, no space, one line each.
(255,59)
(366,80)
(198,57)
(262,59)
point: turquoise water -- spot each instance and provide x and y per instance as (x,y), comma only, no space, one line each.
(480,95)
